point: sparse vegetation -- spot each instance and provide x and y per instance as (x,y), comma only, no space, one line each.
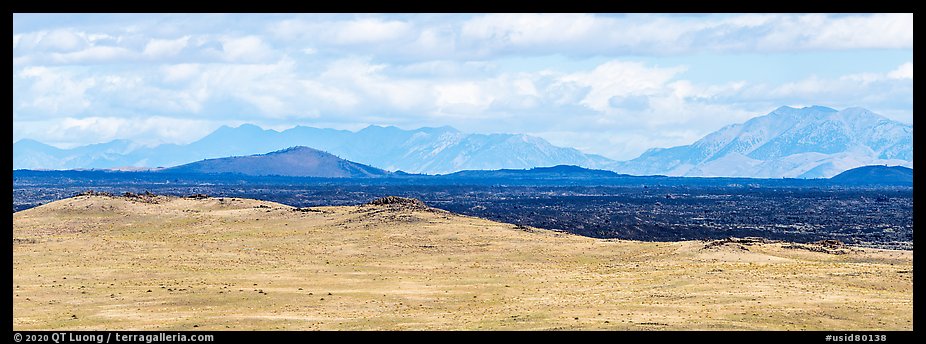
(403,202)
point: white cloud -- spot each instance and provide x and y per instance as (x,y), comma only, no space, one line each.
(61,41)
(366,80)
(462,93)
(857,87)
(344,32)
(100,37)
(370,30)
(443,69)
(245,49)
(433,41)
(96,54)
(618,78)
(48,92)
(148,130)
(165,47)
(454,37)
(905,71)
(180,72)
(510,29)
(884,30)
(648,34)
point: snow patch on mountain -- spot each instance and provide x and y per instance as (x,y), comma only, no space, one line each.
(424,150)
(811,142)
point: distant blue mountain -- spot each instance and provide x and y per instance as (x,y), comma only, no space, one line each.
(555,172)
(37,155)
(811,142)
(291,162)
(876,175)
(424,150)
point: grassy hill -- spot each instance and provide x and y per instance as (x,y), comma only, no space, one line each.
(158,263)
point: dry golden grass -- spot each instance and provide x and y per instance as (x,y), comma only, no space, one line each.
(96,262)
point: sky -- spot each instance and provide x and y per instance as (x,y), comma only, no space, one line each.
(609,84)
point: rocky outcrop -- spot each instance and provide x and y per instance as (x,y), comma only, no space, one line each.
(401,202)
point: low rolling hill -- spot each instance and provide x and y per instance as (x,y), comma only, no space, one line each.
(876,175)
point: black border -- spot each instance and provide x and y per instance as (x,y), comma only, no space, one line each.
(174,6)
(519,336)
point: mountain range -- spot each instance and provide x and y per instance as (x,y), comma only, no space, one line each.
(424,150)
(554,172)
(810,142)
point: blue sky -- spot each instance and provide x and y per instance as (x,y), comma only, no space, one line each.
(614,85)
